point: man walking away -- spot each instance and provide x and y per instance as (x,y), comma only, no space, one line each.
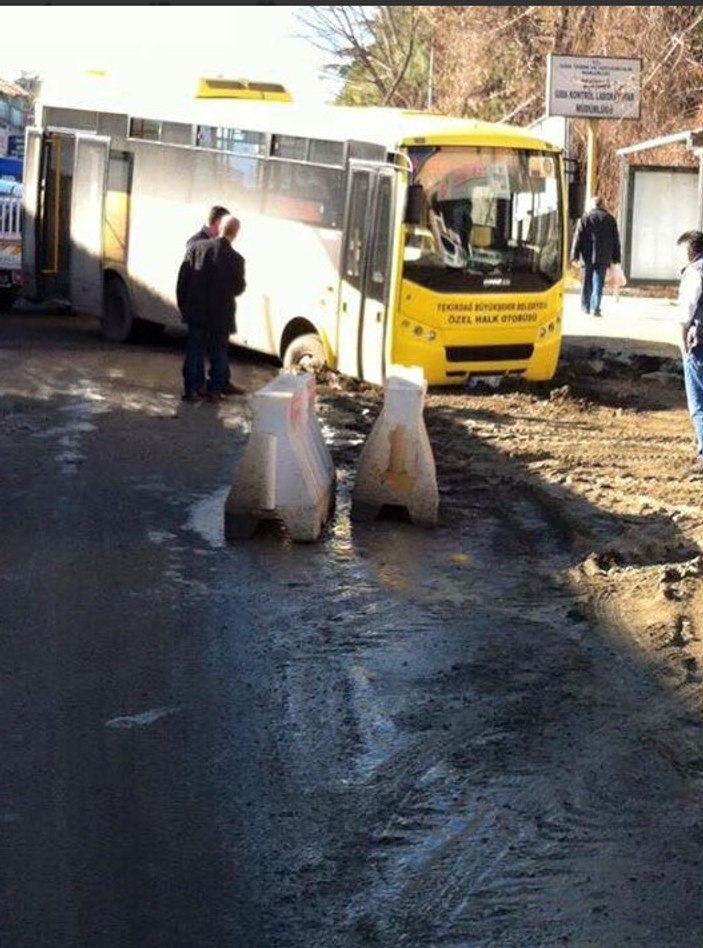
(691,339)
(210,278)
(597,243)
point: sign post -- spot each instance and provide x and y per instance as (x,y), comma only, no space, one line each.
(591,160)
(592,88)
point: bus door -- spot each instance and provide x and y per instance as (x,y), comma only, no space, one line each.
(117,204)
(46,204)
(87,215)
(366,267)
(31,191)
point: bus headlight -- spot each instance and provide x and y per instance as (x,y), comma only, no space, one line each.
(542,332)
(420,331)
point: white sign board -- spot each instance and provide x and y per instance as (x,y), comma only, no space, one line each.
(593,87)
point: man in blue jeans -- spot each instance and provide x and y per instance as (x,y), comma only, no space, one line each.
(208,231)
(210,278)
(691,339)
(597,244)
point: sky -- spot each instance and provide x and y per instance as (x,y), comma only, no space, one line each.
(164,45)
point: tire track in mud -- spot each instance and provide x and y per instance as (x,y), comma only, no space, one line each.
(517,812)
(410,749)
(451,753)
(498,838)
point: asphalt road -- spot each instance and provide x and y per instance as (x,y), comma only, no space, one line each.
(390,737)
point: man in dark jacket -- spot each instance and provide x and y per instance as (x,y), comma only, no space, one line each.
(597,243)
(211,229)
(210,278)
(207,232)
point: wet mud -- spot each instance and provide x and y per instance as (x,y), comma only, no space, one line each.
(485,734)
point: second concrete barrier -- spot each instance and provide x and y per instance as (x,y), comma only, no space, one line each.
(396,467)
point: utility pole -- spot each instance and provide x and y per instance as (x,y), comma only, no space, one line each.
(430,70)
(591,160)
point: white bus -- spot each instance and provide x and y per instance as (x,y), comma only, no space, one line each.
(370,235)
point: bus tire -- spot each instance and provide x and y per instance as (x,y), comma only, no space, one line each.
(305,354)
(8,298)
(118,322)
(148,332)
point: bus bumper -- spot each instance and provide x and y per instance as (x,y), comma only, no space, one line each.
(534,360)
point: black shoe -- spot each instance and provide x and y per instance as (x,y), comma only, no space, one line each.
(215,397)
(230,389)
(597,312)
(192,396)
(586,312)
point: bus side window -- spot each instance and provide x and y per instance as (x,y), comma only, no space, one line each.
(353,258)
(379,262)
(247,172)
(305,193)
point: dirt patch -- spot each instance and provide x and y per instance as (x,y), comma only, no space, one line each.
(604,453)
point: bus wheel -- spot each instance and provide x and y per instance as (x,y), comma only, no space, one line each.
(117,323)
(148,332)
(305,354)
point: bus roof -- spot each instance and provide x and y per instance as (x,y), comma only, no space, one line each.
(383,126)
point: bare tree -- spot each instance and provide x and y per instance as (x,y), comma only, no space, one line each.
(380,54)
(490,63)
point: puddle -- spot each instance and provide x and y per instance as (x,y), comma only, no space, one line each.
(206,518)
(160,536)
(378,734)
(145,719)
(69,456)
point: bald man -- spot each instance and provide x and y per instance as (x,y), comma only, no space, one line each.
(210,278)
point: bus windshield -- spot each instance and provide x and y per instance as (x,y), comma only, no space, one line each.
(490,220)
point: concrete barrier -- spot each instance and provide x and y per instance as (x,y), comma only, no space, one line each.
(315,433)
(396,467)
(286,472)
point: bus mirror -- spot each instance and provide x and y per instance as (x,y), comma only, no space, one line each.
(415,204)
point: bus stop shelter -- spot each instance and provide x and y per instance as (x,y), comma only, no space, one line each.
(661,195)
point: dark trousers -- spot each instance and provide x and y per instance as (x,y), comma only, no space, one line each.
(203,343)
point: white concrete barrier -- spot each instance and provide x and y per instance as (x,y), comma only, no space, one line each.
(286,472)
(323,455)
(396,467)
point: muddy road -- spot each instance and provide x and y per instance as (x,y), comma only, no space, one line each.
(488,734)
